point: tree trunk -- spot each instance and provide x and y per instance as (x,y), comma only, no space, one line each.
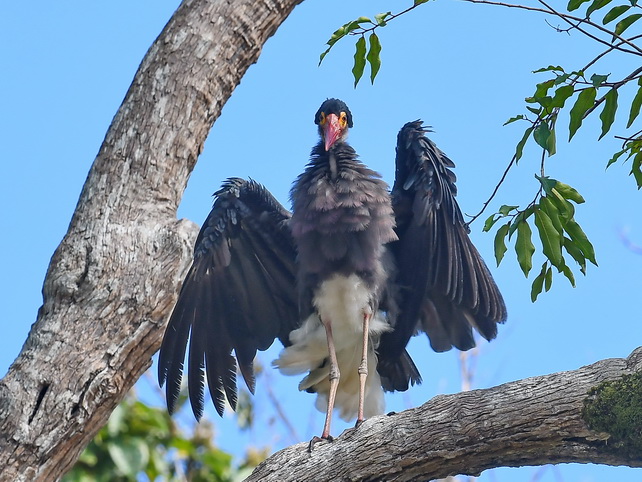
(114,278)
(535,421)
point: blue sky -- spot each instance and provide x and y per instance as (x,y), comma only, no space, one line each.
(463,68)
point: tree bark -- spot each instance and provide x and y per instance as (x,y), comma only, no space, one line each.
(114,278)
(534,421)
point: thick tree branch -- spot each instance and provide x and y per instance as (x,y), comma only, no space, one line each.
(528,422)
(114,278)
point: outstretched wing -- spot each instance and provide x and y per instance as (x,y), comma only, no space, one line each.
(239,294)
(444,286)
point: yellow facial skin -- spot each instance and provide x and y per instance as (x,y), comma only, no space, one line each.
(332,127)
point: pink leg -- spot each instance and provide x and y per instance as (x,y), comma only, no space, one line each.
(363,367)
(334,384)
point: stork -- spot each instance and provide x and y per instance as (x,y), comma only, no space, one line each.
(343,281)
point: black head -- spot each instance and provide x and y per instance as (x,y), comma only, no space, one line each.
(333,106)
(333,118)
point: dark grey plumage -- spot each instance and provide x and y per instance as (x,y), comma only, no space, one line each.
(446,288)
(261,273)
(239,294)
(342,218)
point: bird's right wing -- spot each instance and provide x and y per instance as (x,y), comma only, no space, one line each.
(445,287)
(239,294)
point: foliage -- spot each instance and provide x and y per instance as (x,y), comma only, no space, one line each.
(141,442)
(578,92)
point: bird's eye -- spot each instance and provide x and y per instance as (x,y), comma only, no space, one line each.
(322,118)
(343,120)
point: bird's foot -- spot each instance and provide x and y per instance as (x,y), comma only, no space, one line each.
(390,414)
(358,423)
(316,439)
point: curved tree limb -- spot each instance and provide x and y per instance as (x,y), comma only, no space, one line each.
(534,421)
(114,278)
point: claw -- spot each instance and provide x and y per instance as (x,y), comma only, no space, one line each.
(316,439)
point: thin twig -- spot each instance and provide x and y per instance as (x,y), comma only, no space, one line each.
(567,18)
(488,201)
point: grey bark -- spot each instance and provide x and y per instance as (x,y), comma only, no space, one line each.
(114,278)
(534,421)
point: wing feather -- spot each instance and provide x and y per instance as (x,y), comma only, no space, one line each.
(444,286)
(238,296)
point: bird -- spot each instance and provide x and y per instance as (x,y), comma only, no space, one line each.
(344,280)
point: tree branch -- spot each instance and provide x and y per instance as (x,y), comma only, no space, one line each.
(528,422)
(114,278)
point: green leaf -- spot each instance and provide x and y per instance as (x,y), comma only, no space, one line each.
(635,105)
(548,183)
(569,275)
(561,95)
(129,455)
(542,88)
(566,209)
(520,145)
(534,110)
(551,144)
(514,119)
(616,156)
(549,208)
(560,79)
(575,4)
(584,102)
(575,252)
(524,215)
(341,32)
(538,282)
(500,243)
(524,247)
(116,421)
(568,192)
(608,113)
(550,68)
(359,59)
(373,56)
(580,239)
(614,13)
(490,221)
(419,2)
(626,22)
(541,135)
(505,210)
(636,169)
(598,79)
(380,18)
(336,36)
(550,237)
(596,5)
(548,279)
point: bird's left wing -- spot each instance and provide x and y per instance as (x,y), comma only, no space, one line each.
(444,286)
(239,294)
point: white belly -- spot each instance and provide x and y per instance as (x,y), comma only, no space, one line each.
(343,301)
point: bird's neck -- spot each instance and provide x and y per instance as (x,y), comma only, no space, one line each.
(332,162)
(339,154)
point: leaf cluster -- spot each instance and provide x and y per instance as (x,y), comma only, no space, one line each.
(361,27)
(560,235)
(143,441)
(578,93)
